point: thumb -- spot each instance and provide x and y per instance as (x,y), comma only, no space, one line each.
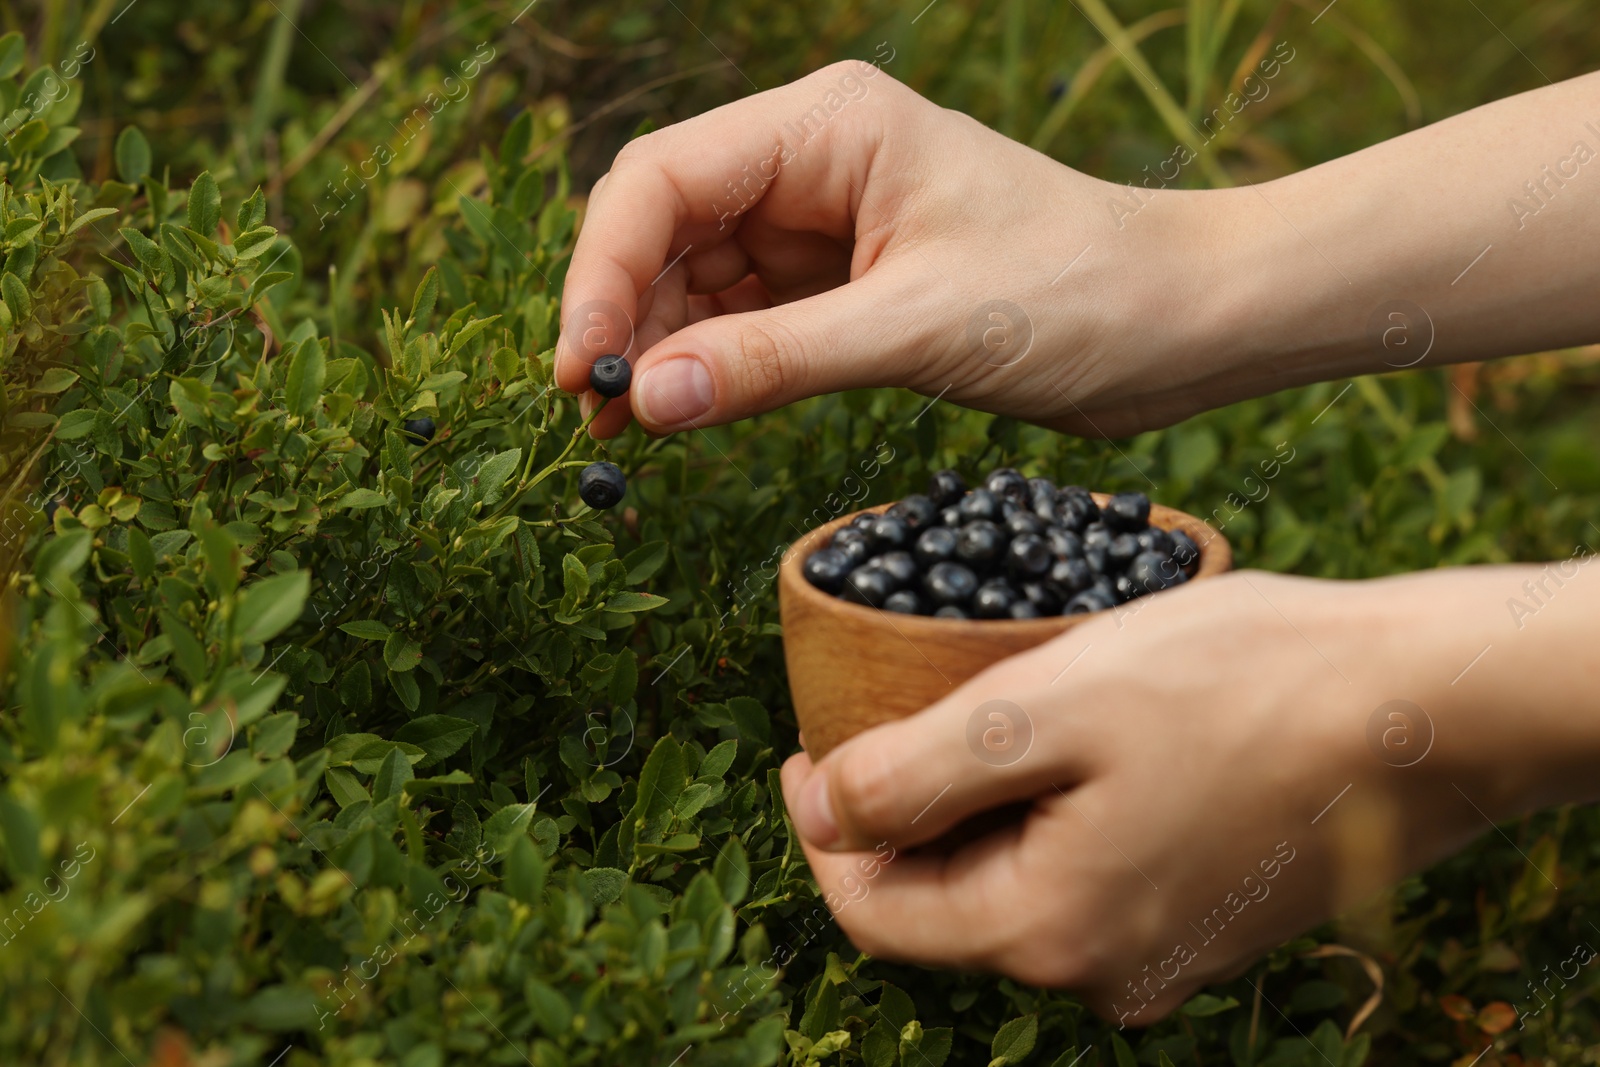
(907,782)
(730,367)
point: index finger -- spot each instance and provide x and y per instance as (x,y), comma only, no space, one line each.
(678,188)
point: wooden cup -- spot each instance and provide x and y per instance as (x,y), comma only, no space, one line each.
(852,667)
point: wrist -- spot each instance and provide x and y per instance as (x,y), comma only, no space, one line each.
(1197,307)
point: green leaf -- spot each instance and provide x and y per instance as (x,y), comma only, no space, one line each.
(426,296)
(133,155)
(719,759)
(517,140)
(307,370)
(661,779)
(361,498)
(274,735)
(63,556)
(406,687)
(574,579)
(437,783)
(369,629)
(222,557)
(550,1009)
(268,607)
(147,251)
(55,380)
(142,555)
(1014,1041)
(494,472)
(205,204)
(402,652)
(630,601)
(509,820)
(437,735)
(393,774)
(1204,1004)
(345,787)
(251,213)
(644,561)
(90,217)
(604,884)
(13,52)
(18,302)
(21,829)
(732,871)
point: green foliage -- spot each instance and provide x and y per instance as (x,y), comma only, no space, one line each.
(327,746)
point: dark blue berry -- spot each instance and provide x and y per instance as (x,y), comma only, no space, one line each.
(1151,572)
(1126,589)
(888,533)
(1154,539)
(1184,550)
(1089,600)
(868,585)
(935,545)
(916,510)
(1122,549)
(1069,577)
(979,504)
(1028,557)
(1064,544)
(601,485)
(1024,522)
(863,520)
(1075,509)
(950,611)
(418,431)
(951,517)
(1023,609)
(905,602)
(1008,484)
(1041,496)
(993,601)
(1127,512)
(1042,597)
(945,488)
(610,376)
(980,544)
(1097,535)
(853,542)
(950,583)
(1098,561)
(898,564)
(826,569)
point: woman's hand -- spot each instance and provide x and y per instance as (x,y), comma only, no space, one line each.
(1207,773)
(843,232)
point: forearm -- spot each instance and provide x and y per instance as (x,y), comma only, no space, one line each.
(1502,661)
(1299,278)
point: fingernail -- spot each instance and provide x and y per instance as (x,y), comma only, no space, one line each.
(675,392)
(815,817)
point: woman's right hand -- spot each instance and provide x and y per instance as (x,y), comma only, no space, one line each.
(843,232)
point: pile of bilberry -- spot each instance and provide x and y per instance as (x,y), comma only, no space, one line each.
(1015,548)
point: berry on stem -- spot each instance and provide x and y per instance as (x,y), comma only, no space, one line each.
(610,376)
(601,485)
(419,431)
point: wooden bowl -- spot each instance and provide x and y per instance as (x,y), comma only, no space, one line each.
(852,667)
